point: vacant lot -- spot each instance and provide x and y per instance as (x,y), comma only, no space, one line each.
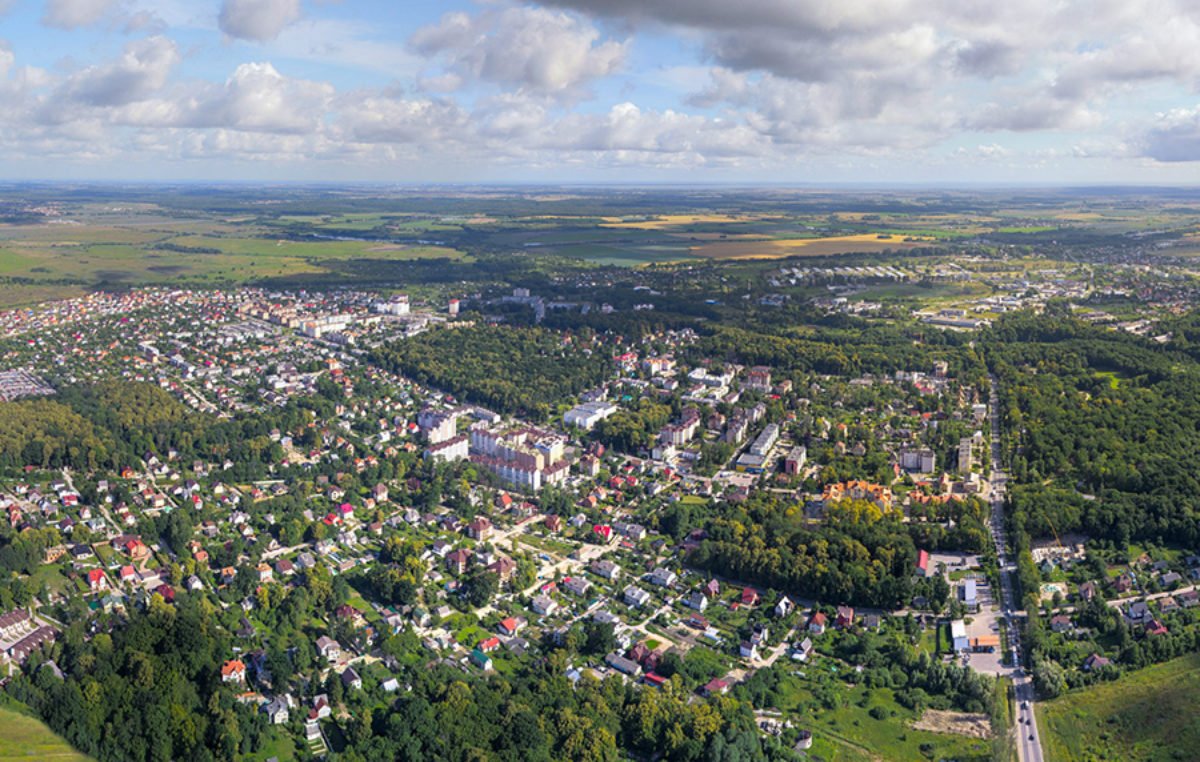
(844,728)
(24,738)
(1145,716)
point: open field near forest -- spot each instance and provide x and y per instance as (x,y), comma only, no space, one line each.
(805,247)
(92,255)
(26,738)
(668,221)
(851,732)
(26,295)
(1148,715)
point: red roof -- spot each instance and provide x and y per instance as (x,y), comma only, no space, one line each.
(490,644)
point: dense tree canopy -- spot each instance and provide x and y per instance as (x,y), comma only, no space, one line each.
(513,370)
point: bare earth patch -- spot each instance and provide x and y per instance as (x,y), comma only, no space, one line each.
(960,723)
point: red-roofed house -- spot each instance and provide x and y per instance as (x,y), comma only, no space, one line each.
(654,679)
(233,671)
(489,644)
(97,580)
(923,562)
(480,529)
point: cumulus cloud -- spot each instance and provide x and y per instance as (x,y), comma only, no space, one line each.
(6,58)
(255,98)
(140,70)
(1175,137)
(762,84)
(257,20)
(380,118)
(72,14)
(536,49)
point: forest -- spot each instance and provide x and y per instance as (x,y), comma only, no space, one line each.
(151,690)
(525,371)
(1101,430)
(113,424)
(858,555)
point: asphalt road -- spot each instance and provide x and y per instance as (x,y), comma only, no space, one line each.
(1029,744)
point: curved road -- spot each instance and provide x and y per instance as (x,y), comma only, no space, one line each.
(1029,744)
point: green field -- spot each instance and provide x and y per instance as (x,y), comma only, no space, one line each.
(1151,714)
(187,254)
(843,727)
(25,738)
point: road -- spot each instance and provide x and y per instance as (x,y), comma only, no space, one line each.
(1029,745)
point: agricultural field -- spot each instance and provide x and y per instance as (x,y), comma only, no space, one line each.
(806,247)
(25,738)
(1148,715)
(93,255)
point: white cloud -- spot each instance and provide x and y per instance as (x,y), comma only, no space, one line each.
(529,48)
(1175,137)
(378,118)
(72,14)
(140,70)
(7,59)
(258,20)
(255,98)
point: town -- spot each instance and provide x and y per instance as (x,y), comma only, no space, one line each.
(822,507)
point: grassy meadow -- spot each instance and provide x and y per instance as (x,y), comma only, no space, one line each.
(24,738)
(1144,716)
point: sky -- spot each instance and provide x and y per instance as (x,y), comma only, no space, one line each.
(602,91)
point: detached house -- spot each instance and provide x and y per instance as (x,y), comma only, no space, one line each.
(233,671)
(636,597)
(329,648)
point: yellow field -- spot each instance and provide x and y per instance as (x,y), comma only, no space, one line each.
(677,220)
(1079,216)
(806,247)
